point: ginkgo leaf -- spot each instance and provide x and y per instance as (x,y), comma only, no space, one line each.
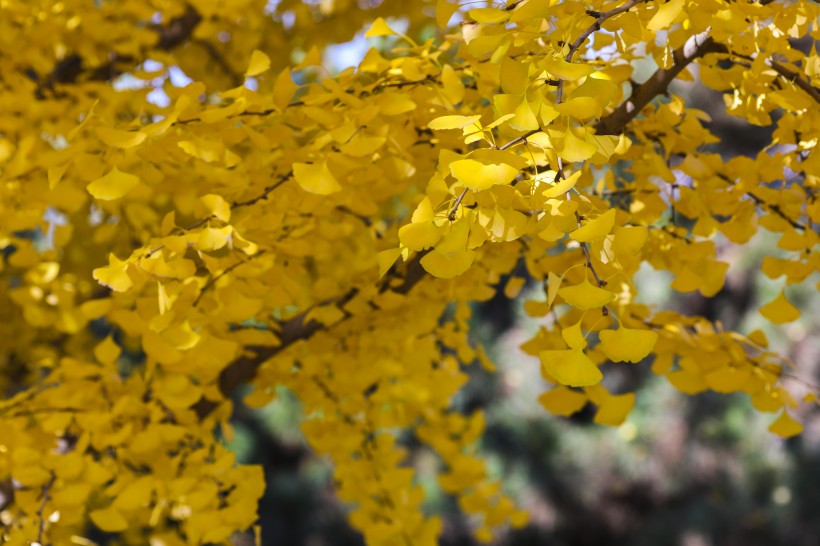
(488,15)
(522,116)
(563,401)
(478,176)
(420,235)
(113,185)
(627,344)
(514,76)
(586,296)
(260,62)
(379,28)
(727,379)
(598,88)
(444,12)
(786,426)
(115,275)
(109,520)
(564,70)
(136,494)
(614,409)
(316,178)
(386,259)
(447,266)
(628,240)
(454,88)
(687,382)
(216,206)
(596,229)
(120,139)
(570,367)
(452,122)
(574,337)
(211,239)
(55,174)
(581,108)
(284,88)
(107,351)
(562,186)
(667,12)
(573,148)
(780,310)
(553,285)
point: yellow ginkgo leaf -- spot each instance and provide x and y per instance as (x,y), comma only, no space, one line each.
(780,310)
(420,235)
(562,186)
(211,239)
(628,240)
(627,344)
(113,185)
(570,367)
(453,86)
(786,426)
(553,285)
(581,108)
(574,337)
(478,176)
(667,13)
(452,122)
(727,379)
(687,382)
(444,12)
(586,296)
(284,89)
(447,266)
(598,88)
(316,178)
(115,275)
(488,15)
(521,114)
(55,174)
(216,206)
(136,494)
(260,63)
(563,401)
(564,70)
(120,139)
(109,520)
(386,259)
(595,229)
(614,409)
(107,351)
(379,28)
(573,148)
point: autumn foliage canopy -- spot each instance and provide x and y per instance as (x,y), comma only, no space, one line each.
(170,249)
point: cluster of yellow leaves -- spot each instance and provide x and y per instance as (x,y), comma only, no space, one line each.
(280,226)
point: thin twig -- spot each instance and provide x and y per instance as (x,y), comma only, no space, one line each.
(268,189)
(452,215)
(41,525)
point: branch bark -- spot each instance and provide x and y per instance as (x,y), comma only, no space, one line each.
(695,47)
(242,370)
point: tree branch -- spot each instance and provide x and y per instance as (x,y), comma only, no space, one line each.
(696,46)
(242,370)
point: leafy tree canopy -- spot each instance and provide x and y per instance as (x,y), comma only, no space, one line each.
(273,224)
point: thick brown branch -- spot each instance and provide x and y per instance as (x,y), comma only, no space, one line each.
(795,78)
(696,46)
